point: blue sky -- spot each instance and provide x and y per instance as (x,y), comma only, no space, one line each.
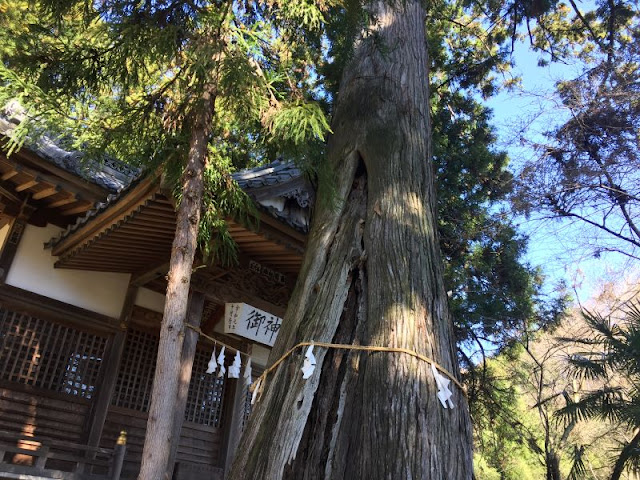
(556,247)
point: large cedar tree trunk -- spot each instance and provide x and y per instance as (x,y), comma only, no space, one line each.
(164,395)
(372,275)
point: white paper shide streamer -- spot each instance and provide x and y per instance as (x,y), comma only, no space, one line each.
(309,364)
(223,369)
(213,363)
(234,369)
(444,394)
(256,389)
(247,372)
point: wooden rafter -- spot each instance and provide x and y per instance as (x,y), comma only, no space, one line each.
(80,187)
(65,201)
(62,174)
(80,208)
(47,192)
(10,174)
(27,185)
(117,212)
(8,193)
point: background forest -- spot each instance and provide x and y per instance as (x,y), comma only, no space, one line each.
(553,384)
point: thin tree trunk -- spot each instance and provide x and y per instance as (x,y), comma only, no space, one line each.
(553,466)
(159,435)
(372,275)
(627,452)
(189,345)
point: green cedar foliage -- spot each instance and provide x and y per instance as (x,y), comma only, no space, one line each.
(496,296)
(125,78)
(121,78)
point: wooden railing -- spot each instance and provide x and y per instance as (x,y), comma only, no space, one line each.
(31,458)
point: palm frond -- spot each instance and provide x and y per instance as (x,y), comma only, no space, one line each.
(578,468)
(587,365)
(603,403)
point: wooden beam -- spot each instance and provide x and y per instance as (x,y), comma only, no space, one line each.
(194,316)
(109,372)
(101,267)
(78,186)
(5,220)
(55,310)
(218,291)
(10,208)
(47,192)
(214,313)
(118,237)
(7,191)
(160,220)
(154,226)
(142,278)
(274,231)
(26,185)
(116,249)
(147,236)
(283,228)
(134,227)
(104,265)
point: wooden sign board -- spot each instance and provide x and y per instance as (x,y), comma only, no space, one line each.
(251,323)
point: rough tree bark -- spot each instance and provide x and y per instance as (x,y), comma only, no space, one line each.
(372,275)
(159,435)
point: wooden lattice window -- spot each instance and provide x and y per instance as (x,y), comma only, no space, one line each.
(135,379)
(48,355)
(206,392)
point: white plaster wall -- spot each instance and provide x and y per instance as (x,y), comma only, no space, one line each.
(32,269)
(4,231)
(150,300)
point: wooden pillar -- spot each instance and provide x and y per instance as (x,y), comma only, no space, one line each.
(109,374)
(11,246)
(194,316)
(118,456)
(232,428)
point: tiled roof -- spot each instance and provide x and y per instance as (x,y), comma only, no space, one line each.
(290,203)
(109,174)
(277,172)
(279,189)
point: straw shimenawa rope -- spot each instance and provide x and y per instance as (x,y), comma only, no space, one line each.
(260,382)
(216,341)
